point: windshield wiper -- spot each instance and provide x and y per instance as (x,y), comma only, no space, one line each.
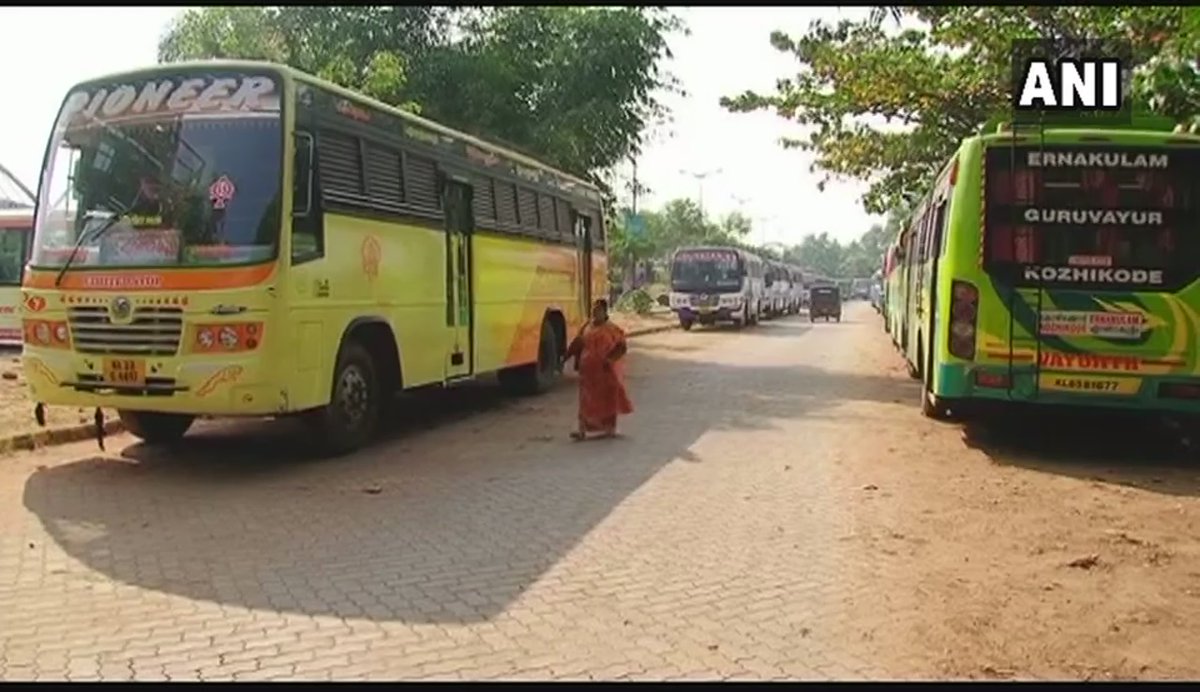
(85,237)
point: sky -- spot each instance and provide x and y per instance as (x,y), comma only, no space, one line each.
(727,52)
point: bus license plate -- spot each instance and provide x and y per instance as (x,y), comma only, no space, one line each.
(125,371)
(1083,384)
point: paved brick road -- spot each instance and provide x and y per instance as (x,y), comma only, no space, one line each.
(721,538)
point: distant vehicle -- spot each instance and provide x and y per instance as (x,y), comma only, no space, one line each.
(826,303)
(717,284)
(781,282)
(876,292)
(860,289)
(796,298)
(16,236)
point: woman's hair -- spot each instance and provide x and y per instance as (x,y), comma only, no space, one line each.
(600,303)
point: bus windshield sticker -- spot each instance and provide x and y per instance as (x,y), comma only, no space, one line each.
(221,192)
(1105,325)
(141,246)
(1089,261)
(201,94)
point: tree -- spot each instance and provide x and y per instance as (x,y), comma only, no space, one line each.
(1170,81)
(819,253)
(676,224)
(576,87)
(933,85)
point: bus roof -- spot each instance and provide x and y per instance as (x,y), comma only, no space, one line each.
(348,93)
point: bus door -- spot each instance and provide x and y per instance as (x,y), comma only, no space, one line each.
(583,240)
(460,305)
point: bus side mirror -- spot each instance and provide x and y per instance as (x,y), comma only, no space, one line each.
(302,190)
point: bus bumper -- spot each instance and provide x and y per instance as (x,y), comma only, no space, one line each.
(707,315)
(232,385)
(1133,392)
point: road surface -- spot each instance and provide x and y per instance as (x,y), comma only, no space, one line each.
(777,509)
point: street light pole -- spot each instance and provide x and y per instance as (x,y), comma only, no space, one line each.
(700,182)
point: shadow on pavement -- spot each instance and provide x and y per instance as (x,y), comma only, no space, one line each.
(1104,447)
(467,503)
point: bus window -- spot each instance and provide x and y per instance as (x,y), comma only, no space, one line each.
(14,247)
(1055,215)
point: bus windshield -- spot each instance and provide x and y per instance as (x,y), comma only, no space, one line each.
(164,172)
(1087,214)
(700,270)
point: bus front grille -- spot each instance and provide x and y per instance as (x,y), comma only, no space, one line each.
(153,331)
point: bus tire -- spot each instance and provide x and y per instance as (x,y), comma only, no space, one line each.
(535,378)
(349,420)
(933,406)
(155,428)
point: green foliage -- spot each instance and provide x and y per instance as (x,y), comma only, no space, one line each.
(637,300)
(576,87)
(679,223)
(937,84)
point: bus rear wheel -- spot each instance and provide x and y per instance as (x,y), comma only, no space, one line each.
(536,378)
(349,420)
(155,428)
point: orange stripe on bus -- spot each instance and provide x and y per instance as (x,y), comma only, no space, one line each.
(1003,355)
(137,280)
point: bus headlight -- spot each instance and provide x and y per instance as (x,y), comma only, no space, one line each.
(51,333)
(731,301)
(229,337)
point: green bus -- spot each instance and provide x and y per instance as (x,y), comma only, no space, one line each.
(1055,267)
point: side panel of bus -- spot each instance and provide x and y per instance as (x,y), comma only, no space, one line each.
(406,245)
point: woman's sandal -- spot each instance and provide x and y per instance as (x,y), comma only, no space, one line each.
(578,436)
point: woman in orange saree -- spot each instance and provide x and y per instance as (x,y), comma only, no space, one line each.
(598,350)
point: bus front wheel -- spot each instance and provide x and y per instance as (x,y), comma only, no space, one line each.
(155,428)
(349,420)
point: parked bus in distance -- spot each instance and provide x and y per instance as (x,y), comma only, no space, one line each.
(876,291)
(16,231)
(717,284)
(894,272)
(778,282)
(1058,267)
(242,239)
(796,297)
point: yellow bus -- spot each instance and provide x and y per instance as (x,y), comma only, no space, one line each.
(16,230)
(242,239)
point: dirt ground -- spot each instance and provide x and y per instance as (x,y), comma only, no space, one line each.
(16,408)
(1043,548)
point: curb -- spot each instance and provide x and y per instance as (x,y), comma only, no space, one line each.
(50,437)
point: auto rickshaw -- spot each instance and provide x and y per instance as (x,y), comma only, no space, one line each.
(825,302)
